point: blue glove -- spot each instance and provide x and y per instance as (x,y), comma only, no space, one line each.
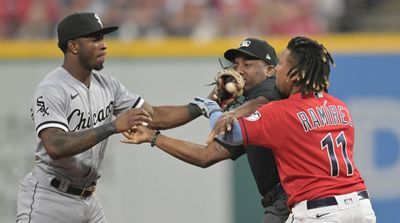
(206,106)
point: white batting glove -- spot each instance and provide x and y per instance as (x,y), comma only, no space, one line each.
(206,106)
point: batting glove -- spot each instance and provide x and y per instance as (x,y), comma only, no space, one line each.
(206,106)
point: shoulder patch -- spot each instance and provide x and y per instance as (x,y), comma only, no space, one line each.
(253,117)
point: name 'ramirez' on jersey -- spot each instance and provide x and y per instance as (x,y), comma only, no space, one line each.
(325,115)
(61,101)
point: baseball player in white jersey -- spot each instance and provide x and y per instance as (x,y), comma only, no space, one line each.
(73,109)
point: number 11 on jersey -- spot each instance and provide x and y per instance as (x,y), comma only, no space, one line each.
(339,143)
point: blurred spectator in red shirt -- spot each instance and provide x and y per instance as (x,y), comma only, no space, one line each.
(294,17)
(36,18)
(236,17)
(6,18)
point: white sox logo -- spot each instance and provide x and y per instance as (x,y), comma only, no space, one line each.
(98,19)
(42,107)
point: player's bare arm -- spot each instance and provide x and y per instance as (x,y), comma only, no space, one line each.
(166,117)
(192,153)
(60,144)
(225,122)
(248,107)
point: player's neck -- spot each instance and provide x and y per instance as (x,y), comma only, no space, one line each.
(295,89)
(78,72)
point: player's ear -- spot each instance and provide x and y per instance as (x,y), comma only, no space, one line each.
(269,70)
(72,46)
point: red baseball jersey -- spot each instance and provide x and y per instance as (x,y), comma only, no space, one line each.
(312,138)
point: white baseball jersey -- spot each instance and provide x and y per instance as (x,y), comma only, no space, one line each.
(61,101)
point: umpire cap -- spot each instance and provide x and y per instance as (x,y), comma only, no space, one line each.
(81,24)
(254,48)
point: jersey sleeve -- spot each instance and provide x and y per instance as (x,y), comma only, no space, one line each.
(124,99)
(49,108)
(235,151)
(265,127)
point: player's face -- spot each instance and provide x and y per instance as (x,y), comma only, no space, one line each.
(252,71)
(92,52)
(283,84)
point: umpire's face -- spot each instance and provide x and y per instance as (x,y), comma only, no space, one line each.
(91,51)
(284,84)
(252,70)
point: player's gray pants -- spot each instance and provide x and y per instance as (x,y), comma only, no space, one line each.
(350,209)
(38,202)
(278,211)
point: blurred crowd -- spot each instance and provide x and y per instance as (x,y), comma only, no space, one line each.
(36,19)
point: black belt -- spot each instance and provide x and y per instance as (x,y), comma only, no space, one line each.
(329,201)
(79,191)
(271,195)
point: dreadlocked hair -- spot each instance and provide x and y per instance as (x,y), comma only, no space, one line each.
(311,63)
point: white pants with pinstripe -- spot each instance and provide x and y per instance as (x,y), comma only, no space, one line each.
(38,202)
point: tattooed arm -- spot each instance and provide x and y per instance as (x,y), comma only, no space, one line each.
(60,144)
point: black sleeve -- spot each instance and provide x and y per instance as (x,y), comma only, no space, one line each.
(235,151)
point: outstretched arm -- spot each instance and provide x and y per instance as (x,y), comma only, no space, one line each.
(225,121)
(232,137)
(248,107)
(166,117)
(212,111)
(60,144)
(195,154)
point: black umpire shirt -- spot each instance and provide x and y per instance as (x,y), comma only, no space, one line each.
(261,160)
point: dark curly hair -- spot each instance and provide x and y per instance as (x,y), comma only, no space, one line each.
(311,64)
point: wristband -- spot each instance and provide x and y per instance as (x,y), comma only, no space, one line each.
(194,111)
(153,140)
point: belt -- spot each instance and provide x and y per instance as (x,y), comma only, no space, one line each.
(271,195)
(329,201)
(79,191)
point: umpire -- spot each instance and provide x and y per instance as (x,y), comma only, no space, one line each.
(261,161)
(255,60)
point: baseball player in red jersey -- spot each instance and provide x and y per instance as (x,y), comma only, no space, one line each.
(254,60)
(311,135)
